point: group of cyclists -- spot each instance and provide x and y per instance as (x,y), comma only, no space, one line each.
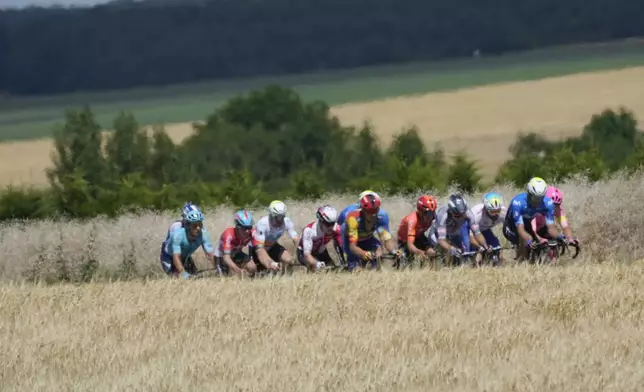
(360,233)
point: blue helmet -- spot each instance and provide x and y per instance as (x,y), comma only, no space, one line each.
(493,201)
(187,208)
(244,218)
(194,216)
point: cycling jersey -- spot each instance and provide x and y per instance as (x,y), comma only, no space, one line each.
(266,235)
(314,239)
(177,242)
(485,221)
(410,226)
(354,228)
(230,243)
(520,209)
(446,225)
(353,207)
(539,221)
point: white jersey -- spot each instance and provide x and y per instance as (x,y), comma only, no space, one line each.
(314,239)
(266,235)
(485,221)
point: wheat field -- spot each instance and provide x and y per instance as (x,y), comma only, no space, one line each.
(518,328)
(510,329)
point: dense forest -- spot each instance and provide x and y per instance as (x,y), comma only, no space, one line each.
(126,44)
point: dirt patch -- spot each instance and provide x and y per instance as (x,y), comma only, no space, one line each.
(483,121)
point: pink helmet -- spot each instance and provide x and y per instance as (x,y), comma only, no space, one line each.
(555,194)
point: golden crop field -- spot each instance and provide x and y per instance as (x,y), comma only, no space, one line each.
(483,121)
(517,328)
(510,329)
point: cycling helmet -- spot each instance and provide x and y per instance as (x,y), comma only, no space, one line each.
(369,203)
(555,194)
(456,205)
(492,201)
(368,192)
(194,216)
(244,219)
(277,208)
(189,207)
(425,204)
(536,187)
(327,214)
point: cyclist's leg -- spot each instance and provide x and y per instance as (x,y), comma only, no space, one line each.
(167,264)
(245,262)
(492,241)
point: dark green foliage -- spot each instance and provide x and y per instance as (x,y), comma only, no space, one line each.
(45,51)
(464,174)
(609,142)
(271,144)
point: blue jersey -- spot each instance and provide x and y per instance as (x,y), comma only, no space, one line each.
(383,217)
(520,209)
(176,242)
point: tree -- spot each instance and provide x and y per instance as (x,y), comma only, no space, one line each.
(78,150)
(464,174)
(128,147)
(614,134)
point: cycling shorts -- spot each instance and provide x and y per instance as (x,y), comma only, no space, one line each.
(239,258)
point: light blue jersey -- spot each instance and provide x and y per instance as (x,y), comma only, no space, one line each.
(177,242)
(521,209)
(383,217)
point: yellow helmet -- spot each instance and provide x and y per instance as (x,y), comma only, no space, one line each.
(368,192)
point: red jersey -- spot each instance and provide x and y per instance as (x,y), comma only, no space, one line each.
(230,243)
(314,240)
(410,226)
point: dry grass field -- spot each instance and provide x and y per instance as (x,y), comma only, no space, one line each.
(484,120)
(511,329)
(517,328)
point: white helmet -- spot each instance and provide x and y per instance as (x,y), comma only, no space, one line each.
(277,208)
(368,192)
(536,187)
(327,214)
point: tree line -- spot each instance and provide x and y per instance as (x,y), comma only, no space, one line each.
(271,144)
(125,44)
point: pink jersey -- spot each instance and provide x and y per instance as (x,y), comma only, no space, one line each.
(314,240)
(539,220)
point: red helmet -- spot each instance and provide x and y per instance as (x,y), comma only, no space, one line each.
(369,203)
(426,203)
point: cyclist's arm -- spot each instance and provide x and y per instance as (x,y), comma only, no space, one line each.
(474,227)
(352,234)
(550,220)
(175,245)
(290,227)
(262,255)
(411,238)
(231,264)
(207,247)
(337,243)
(307,246)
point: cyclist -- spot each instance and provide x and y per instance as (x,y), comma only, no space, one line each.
(452,226)
(182,241)
(266,252)
(229,255)
(411,238)
(311,250)
(358,234)
(539,222)
(517,227)
(488,214)
(353,207)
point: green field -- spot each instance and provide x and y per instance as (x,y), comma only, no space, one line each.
(25,118)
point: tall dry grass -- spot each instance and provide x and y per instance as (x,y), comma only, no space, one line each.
(607,217)
(508,329)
